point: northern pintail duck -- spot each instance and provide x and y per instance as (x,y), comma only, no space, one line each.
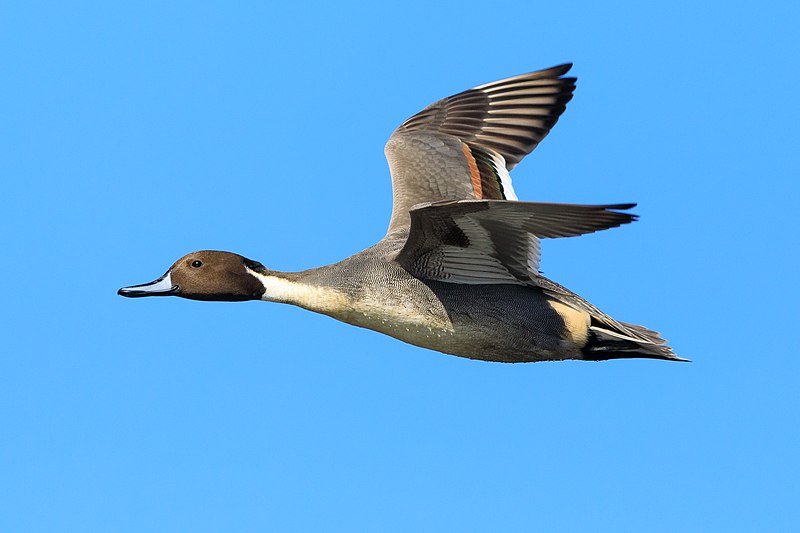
(457,270)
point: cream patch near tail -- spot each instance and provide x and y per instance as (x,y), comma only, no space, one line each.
(576,323)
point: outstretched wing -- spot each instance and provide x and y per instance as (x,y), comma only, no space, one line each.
(462,147)
(491,241)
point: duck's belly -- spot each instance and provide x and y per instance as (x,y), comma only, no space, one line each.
(509,323)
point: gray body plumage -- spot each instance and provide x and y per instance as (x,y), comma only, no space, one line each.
(493,322)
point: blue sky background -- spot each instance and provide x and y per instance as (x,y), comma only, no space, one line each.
(134,134)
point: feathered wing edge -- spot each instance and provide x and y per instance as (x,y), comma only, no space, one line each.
(495,241)
(509,117)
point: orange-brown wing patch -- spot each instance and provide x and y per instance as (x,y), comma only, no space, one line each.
(486,181)
(490,179)
(474,172)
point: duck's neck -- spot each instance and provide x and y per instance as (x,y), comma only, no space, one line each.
(296,288)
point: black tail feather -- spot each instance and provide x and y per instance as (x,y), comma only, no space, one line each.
(631,342)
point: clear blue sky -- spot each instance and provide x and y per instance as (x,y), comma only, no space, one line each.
(132,135)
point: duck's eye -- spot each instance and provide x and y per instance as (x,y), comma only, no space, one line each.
(197,264)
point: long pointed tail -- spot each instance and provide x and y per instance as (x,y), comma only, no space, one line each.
(610,338)
(619,340)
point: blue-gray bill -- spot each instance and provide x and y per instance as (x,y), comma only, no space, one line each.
(163,286)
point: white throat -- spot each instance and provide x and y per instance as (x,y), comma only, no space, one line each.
(312,297)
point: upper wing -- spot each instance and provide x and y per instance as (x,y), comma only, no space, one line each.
(490,241)
(463,146)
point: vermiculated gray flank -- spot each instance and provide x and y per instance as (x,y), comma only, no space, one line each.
(458,269)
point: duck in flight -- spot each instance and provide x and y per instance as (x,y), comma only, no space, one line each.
(458,269)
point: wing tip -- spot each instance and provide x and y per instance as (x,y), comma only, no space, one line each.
(563,68)
(555,73)
(621,207)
